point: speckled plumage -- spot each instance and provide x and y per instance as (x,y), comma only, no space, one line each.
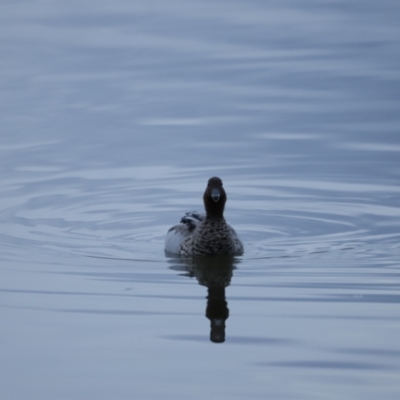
(197,234)
(212,236)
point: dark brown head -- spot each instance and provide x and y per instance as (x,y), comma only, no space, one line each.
(214,198)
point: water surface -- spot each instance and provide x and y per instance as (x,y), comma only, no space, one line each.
(112,119)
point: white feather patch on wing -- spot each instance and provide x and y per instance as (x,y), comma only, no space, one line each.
(174,238)
(178,233)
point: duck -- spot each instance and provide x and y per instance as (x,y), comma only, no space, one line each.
(207,233)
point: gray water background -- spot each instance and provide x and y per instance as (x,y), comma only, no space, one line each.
(113,115)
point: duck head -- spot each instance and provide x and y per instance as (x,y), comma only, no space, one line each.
(214,198)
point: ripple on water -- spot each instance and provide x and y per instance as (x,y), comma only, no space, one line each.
(118,212)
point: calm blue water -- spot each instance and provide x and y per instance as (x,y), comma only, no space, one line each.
(112,118)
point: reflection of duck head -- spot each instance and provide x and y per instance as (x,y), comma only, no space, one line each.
(217,312)
(214,272)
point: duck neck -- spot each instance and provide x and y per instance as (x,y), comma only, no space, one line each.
(214,211)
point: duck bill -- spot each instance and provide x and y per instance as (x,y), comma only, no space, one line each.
(215,194)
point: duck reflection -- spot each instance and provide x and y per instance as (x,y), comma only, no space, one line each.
(214,272)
